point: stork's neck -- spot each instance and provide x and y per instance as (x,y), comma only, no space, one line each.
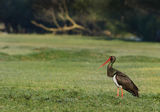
(110,70)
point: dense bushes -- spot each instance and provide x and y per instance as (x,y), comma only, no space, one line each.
(117,17)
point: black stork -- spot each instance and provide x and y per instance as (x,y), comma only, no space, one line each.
(120,79)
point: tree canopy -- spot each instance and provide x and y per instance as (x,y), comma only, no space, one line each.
(89,17)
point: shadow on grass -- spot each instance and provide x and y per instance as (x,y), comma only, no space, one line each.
(45,54)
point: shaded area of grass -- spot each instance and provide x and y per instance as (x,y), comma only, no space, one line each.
(79,55)
(51,54)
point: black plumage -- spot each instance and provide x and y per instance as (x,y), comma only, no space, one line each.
(126,83)
(120,79)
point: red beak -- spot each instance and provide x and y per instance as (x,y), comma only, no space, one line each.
(105,62)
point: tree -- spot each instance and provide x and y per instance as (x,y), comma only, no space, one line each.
(16,15)
(57,13)
(148,6)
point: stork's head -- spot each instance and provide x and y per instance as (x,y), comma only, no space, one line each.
(112,59)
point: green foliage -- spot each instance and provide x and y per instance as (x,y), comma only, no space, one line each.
(139,17)
(144,25)
(78,7)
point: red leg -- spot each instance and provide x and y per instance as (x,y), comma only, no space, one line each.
(117,91)
(121,92)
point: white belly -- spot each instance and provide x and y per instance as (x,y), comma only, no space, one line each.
(115,81)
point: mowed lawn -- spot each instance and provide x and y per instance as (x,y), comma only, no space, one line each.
(48,73)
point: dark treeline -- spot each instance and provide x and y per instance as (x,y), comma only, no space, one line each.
(114,18)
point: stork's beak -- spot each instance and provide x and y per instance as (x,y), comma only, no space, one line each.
(105,62)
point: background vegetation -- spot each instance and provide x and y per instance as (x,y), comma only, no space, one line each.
(113,18)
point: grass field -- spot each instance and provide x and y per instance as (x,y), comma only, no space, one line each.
(47,73)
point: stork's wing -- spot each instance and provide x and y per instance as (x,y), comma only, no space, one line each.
(127,83)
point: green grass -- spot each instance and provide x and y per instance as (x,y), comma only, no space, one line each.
(46,73)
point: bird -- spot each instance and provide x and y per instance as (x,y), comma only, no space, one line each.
(121,80)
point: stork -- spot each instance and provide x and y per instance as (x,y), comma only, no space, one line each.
(121,80)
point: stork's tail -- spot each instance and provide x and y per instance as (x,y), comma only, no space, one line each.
(135,91)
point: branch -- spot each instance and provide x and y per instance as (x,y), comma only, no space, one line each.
(65,28)
(69,18)
(54,18)
(64,15)
(65,7)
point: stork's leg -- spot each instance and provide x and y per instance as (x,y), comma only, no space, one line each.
(117,91)
(121,92)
